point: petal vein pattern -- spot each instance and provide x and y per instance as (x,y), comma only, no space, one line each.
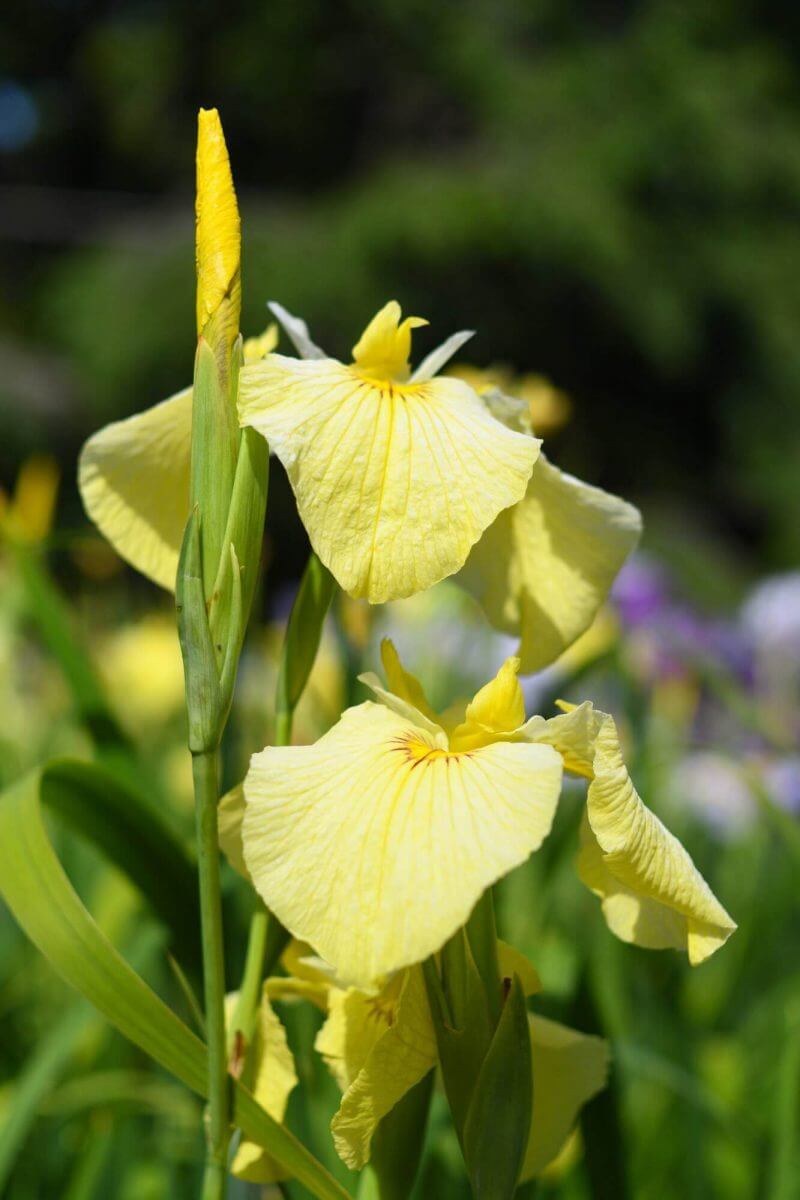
(374,844)
(394,483)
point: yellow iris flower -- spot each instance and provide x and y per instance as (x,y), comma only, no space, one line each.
(374,844)
(545,566)
(396,475)
(378,1045)
(133,475)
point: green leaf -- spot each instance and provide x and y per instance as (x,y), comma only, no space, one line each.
(47,907)
(498,1123)
(303,632)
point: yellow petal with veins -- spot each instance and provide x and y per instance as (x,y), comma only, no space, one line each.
(393,483)
(378,1048)
(651,891)
(218,236)
(545,566)
(133,477)
(383,350)
(374,844)
(568,1069)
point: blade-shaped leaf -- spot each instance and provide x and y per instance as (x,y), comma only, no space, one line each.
(47,907)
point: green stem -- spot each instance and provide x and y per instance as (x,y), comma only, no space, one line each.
(244,1017)
(204,770)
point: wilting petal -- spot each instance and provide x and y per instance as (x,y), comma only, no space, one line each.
(373,845)
(546,565)
(378,1048)
(297,331)
(651,891)
(394,483)
(272,1079)
(133,477)
(568,1069)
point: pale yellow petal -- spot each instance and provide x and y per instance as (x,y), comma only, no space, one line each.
(256,348)
(545,566)
(373,845)
(513,962)
(230,814)
(651,891)
(569,1068)
(271,1079)
(134,481)
(387,1050)
(402,683)
(218,238)
(394,484)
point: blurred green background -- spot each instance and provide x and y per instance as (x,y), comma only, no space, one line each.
(609,193)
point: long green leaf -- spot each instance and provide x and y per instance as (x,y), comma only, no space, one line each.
(132,835)
(47,907)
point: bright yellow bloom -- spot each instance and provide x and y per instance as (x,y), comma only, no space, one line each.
(396,475)
(133,477)
(271,1076)
(374,844)
(545,566)
(379,1045)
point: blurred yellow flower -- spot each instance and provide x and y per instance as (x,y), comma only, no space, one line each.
(549,409)
(141,667)
(27,515)
(374,844)
(396,475)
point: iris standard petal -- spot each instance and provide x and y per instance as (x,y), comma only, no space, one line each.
(545,566)
(651,891)
(568,1069)
(374,844)
(394,482)
(133,477)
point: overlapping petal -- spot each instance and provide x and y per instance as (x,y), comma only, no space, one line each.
(394,482)
(545,566)
(651,891)
(271,1077)
(133,477)
(568,1069)
(378,1048)
(374,844)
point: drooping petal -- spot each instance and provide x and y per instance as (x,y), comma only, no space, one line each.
(271,1078)
(545,566)
(568,1069)
(394,483)
(133,477)
(378,1048)
(373,844)
(651,891)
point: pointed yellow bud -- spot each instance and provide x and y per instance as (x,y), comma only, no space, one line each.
(218,237)
(384,348)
